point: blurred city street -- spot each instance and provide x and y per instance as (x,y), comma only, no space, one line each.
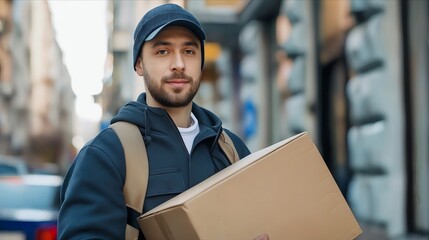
(352,73)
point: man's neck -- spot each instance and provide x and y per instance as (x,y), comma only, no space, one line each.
(181,116)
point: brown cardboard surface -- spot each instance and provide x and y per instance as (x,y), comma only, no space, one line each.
(284,190)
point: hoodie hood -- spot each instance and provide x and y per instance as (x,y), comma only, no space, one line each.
(133,112)
(153,119)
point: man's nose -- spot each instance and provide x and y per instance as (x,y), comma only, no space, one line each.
(178,64)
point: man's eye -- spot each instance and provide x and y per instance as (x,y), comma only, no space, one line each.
(162,52)
(189,52)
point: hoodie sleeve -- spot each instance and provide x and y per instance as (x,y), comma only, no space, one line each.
(239,145)
(92,203)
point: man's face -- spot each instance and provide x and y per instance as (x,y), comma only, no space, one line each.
(171,67)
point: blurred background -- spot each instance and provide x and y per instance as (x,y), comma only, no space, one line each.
(353,73)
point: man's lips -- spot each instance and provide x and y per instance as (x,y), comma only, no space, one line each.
(177,82)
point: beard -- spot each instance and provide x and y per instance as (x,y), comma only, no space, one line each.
(175,98)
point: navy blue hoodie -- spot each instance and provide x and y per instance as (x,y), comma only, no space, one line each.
(92,203)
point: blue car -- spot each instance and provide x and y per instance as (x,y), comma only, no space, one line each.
(29,207)
(10,165)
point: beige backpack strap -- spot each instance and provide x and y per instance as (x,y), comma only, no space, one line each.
(137,169)
(227,146)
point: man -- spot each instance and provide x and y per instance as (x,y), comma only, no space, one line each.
(180,136)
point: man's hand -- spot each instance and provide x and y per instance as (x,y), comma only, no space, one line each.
(262,237)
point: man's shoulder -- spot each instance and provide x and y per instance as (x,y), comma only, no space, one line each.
(104,148)
(239,144)
(234,137)
(105,136)
(105,141)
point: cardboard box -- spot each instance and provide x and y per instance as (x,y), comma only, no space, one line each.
(284,190)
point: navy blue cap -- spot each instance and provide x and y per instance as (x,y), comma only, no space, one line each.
(162,16)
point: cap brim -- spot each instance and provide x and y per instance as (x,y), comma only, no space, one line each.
(179,22)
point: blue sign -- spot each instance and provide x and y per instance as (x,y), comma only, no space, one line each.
(250,118)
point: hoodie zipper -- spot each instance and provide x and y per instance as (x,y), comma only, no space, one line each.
(184,147)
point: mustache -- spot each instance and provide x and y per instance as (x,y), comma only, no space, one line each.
(177,76)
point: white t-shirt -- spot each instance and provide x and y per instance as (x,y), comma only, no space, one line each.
(189,134)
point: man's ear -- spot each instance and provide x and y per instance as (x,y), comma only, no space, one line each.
(139,66)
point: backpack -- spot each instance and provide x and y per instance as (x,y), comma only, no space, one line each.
(137,169)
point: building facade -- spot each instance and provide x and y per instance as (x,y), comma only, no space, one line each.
(36,96)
